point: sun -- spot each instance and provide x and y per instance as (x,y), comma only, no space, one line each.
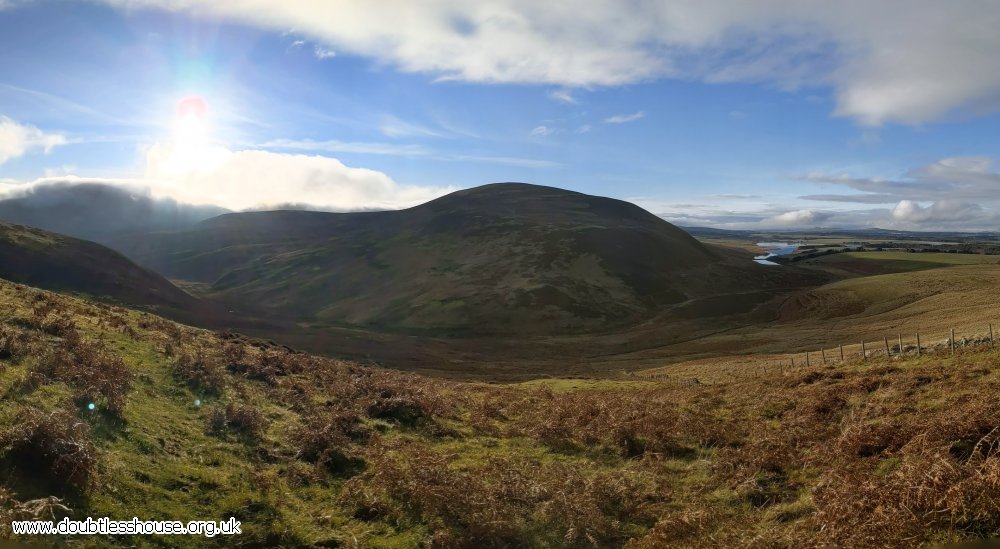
(190,122)
(191,148)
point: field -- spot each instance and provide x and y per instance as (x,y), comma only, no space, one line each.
(870,263)
(190,424)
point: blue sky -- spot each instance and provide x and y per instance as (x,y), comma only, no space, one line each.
(790,114)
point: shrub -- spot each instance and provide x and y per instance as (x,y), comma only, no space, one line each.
(61,326)
(500,502)
(56,445)
(13,345)
(243,419)
(325,440)
(96,373)
(200,372)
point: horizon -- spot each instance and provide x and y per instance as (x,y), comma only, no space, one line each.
(789,116)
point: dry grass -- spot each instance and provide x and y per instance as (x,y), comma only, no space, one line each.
(99,376)
(242,419)
(55,445)
(501,502)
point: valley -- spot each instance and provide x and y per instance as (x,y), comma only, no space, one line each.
(678,420)
(433,289)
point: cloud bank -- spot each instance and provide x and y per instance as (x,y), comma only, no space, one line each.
(257,178)
(908,61)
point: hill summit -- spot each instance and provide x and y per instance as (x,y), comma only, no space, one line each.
(498,259)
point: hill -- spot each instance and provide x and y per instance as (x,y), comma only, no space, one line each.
(499,259)
(308,451)
(98,212)
(57,262)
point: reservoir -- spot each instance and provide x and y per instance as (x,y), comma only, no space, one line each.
(774,249)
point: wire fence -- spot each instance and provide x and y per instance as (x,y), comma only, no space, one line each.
(896,346)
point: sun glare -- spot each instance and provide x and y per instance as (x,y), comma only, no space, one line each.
(190,122)
(191,147)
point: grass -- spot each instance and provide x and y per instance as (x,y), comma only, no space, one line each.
(306,450)
(871,263)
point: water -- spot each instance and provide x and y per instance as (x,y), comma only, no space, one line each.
(774,249)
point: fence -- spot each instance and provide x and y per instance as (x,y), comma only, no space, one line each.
(898,346)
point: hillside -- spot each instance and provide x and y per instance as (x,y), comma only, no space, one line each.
(57,262)
(499,259)
(98,212)
(303,450)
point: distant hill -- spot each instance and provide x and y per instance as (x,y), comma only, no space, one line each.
(56,262)
(99,212)
(498,259)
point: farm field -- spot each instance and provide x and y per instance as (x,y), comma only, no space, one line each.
(931,301)
(869,263)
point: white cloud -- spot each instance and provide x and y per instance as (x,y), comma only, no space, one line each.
(907,61)
(396,127)
(16,140)
(798,218)
(399,149)
(563,96)
(910,212)
(542,130)
(968,178)
(624,118)
(323,53)
(255,178)
(392,149)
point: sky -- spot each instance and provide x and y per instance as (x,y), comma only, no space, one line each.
(725,113)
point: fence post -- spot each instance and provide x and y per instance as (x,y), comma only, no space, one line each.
(900,336)
(807,359)
(885,339)
(793,362)
(953,341)
(822,353)
(864,353)
(991,335)
(841,352)
(918,343)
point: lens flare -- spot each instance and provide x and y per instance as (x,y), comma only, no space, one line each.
(191,148)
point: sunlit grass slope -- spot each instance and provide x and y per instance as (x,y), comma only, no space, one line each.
(312,451)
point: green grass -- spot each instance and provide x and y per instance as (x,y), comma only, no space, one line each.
(886,262)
